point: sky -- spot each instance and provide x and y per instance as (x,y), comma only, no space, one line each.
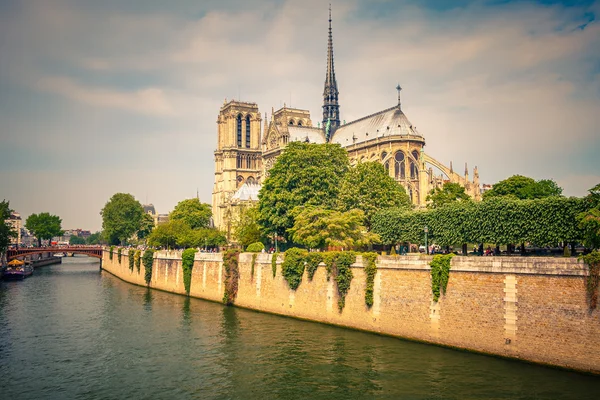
(100,97)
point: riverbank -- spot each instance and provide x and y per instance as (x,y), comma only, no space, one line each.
(528,308)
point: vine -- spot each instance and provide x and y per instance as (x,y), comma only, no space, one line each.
(232,274)
(110,254)
(592,260)
(137,259)
(147,259)
(343,275)
(274,263)
(312,263)
(130,254)
(119,255)
(253,264)
(329,260)
(187,264)
(292,268)
(370,271)
(440,272)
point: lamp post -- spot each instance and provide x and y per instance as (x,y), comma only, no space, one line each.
(426,230)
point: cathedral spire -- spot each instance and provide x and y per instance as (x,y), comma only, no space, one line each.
(331,108)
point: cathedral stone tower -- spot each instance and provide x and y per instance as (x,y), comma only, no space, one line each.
(238,155)
(331,108)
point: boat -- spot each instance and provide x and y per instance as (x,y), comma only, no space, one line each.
(17,270)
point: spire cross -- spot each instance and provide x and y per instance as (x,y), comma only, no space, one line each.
(399,89)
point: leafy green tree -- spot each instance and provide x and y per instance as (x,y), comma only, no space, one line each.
(44,226)
(319,228)
(368,187)
(146,226)
(6,230)
(246,229)
(192,212)
(449,193)
(589,220)
(170,234)
(76,240)
(121,217)
(304,174)
(95,238)
(524,188)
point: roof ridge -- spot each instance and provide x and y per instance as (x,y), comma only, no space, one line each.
(370,115)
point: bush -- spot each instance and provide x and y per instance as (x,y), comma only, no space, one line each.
(148,259)
(255,247)
(292,268)
(187,264)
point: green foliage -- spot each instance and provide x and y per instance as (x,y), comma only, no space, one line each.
(76,240)
(312,263)
(319,228)
(393,251)
(146,226)
(252,265)
(95,238)
(147,260)
(304,175)
(370,266)
(274,263)
(131,255)
(256,247)
(440,272)
(121,217)
(119,255)
(245,228)
(448,193)
(523,188)
(137,259)
(343,275)
(232,274)
(187,264)
(292,267)
(329,260)
(44,226)
(177,233)
(589,220)
(592,260)
(6,230)
(191,211)
(111,252)
(369,188)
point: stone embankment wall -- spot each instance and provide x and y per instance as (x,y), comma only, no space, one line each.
(530,308)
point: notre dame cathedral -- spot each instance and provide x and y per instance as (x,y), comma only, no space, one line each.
(244,155)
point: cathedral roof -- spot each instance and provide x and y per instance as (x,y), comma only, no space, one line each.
(248,191)
(390,122)
(306,134)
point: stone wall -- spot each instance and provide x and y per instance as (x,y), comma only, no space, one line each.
(529,308)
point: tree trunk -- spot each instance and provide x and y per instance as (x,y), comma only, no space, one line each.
(523,249)
(39,242)
(464,249)
(497,250)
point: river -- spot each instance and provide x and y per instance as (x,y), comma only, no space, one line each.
(73,332)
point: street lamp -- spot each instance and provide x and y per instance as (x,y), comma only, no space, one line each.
(426,230)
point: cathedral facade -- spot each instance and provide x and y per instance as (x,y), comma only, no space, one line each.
(245,152)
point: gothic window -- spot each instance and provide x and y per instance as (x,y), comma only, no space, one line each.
(400,171)
(248,162)
(291,122)
(383,155)
(239,161)
(414,169)
(247,131)
(239,181)
(299,123)
(387,167)
(239,130)
(250,180)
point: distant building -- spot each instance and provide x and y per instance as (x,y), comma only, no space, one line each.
(17,224)
(161,219)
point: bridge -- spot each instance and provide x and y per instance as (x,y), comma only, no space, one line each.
(91,251)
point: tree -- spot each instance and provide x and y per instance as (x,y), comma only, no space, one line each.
(74,240)
(192,212)
(170,234)
(246,229)
(524,188)
(121,217)
(368,187)
(44,226)
(95,238)
(304,174)
(6,230)
(448,193)
(589,220)
(146,226)
(319,228)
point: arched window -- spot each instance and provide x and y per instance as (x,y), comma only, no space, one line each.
(291,122)
(414,169)
(400,170)
(383,155)
(250,180)
(248,162)
(239,181)
(247,131)
(239,130)
(239,161)
(299,123)
(387,167)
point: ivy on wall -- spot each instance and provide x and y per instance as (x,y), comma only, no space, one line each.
(110,253)
(137,258)
(370,267)
(252,266)
(274,263)
(292,267)
(119,255)
(440,272)
(148,259)
(232,274)
(312,263)
(187,264)
(329,260)
(343,275)
(130,255)
(592,261)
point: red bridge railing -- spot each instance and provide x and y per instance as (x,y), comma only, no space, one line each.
(92,251)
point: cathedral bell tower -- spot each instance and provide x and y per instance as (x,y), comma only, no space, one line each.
(331,108)
(238,155)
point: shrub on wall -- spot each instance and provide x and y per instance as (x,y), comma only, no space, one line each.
(130,255)
(110,253)
(253,264)
(440,272)
(274,263)
(255,247)
(187,264)
(137,258)
(119,255)
(370,271)
(312,263)
(592,261)
(343,275)
(147,259)
(292,267)
(232,274)
(329,260)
